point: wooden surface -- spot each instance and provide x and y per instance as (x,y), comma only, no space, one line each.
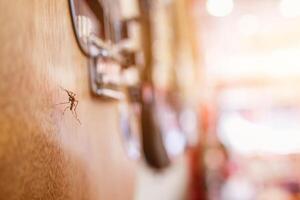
(43,153)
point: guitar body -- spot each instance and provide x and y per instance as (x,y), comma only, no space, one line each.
(45,153)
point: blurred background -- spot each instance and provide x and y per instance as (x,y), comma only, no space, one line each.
(249,56)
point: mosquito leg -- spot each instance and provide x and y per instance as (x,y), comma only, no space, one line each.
(62,103)
(68,92)
(65,109)
(75,113)
(75,116)
(75,106)
(63,89)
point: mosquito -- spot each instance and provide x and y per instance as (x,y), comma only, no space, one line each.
(73,102)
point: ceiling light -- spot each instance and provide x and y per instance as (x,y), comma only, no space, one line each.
(219,8)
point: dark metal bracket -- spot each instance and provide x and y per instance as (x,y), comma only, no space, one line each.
(102,40)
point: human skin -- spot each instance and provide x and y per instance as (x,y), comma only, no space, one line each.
(43,153)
